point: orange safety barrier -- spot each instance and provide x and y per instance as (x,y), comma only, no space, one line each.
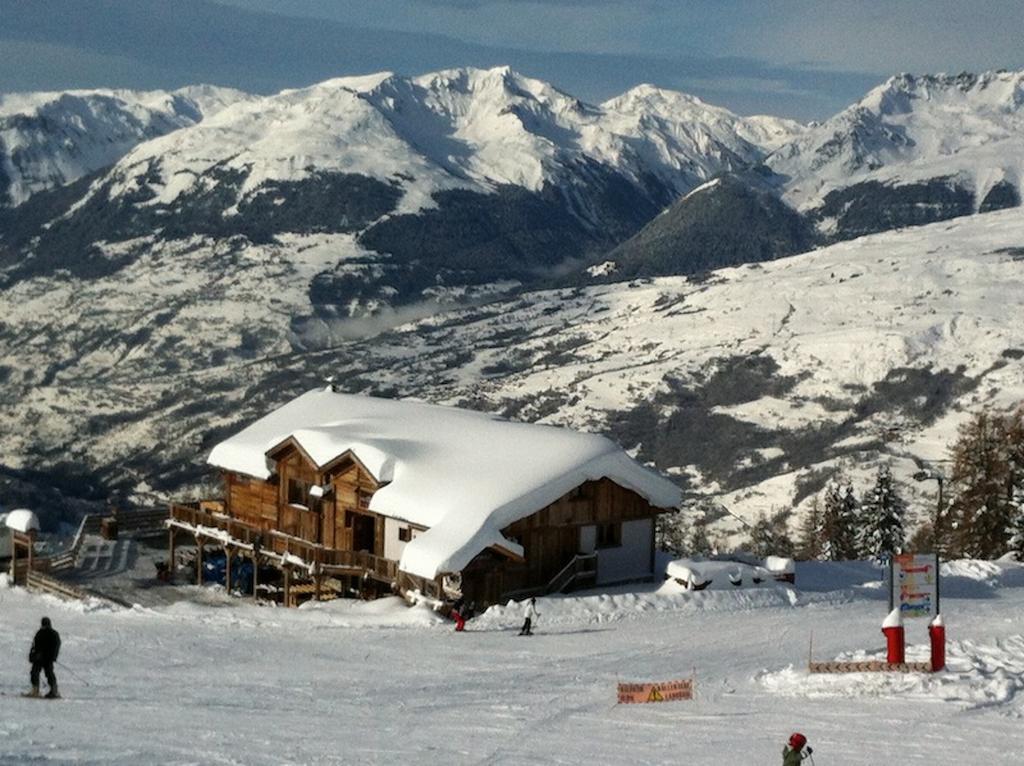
(656,692)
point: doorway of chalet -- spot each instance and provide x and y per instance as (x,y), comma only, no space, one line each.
(364,530)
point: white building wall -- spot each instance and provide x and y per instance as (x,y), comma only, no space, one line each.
(393,547)
(632,559)
(588,539)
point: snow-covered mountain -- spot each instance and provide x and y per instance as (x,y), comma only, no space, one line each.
(51,139)
(215,270)
(460,128)
(752,384)
(952,144)
(452,184)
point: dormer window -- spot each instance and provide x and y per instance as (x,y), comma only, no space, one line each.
(298,492)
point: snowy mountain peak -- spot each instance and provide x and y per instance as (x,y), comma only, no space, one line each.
(54,138)
(967,128)
(457,128)
(1000,90)
(650,95)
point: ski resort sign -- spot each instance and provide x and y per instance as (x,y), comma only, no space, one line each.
(656,692)
(914,583)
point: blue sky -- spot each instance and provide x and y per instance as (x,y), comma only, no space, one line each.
(800,58)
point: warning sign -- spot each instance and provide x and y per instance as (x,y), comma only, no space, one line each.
(656,692)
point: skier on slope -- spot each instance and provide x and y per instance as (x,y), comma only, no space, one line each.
(42,655)
(794,752)
(530,616)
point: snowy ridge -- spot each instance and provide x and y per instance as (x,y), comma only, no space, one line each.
(459,128)
(52,139)
(913,128)
(444,468)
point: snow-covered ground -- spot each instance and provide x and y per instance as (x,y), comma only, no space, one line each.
(230,683)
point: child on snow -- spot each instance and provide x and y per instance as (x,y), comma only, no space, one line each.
(530,616)
(793,753)
(459,615)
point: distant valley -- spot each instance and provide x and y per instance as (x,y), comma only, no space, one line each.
(174,264)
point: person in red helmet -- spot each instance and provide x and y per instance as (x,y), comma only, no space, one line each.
(794,752)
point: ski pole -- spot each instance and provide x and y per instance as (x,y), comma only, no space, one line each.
(73,673)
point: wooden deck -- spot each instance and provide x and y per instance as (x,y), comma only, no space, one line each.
(217,527)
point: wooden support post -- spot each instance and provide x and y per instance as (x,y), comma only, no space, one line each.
(255,575)
(199,560)
(287,586)
(171,552)
(319,580)
(227,568)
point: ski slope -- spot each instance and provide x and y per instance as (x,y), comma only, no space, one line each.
(376,683)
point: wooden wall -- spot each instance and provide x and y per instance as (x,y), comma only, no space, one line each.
(550,539)
(253,501)
(264,504)
(353,486)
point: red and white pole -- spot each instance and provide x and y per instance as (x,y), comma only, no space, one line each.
(895,638)
(937,634)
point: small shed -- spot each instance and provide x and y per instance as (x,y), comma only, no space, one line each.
(18,533)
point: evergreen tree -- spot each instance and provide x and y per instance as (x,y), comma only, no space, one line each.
(882,514)
(1016,528)
(1015,462)
(839,522)
(812,538)
(700,543)
(671,533)
(851,519)
(983,475)
(769,536)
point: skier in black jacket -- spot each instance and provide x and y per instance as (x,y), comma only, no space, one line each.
(42,655)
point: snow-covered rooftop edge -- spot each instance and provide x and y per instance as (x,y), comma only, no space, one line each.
(463,475)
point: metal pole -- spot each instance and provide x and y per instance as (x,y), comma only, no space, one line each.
(892,586)
(199,560)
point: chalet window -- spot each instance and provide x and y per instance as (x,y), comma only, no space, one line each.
(609,535)
(298,492)
(363,500)
(405,534)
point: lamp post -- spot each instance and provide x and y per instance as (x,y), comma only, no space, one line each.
(926,475)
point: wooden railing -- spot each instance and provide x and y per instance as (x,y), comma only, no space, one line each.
(38,581)
(271,541)
(581,567)
(66,559)
(141,522)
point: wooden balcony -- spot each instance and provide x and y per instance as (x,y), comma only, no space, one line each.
(205,520)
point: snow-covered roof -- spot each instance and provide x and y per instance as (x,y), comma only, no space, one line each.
(463,475)
(22,520)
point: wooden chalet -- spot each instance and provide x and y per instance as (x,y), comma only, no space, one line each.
(349,495)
